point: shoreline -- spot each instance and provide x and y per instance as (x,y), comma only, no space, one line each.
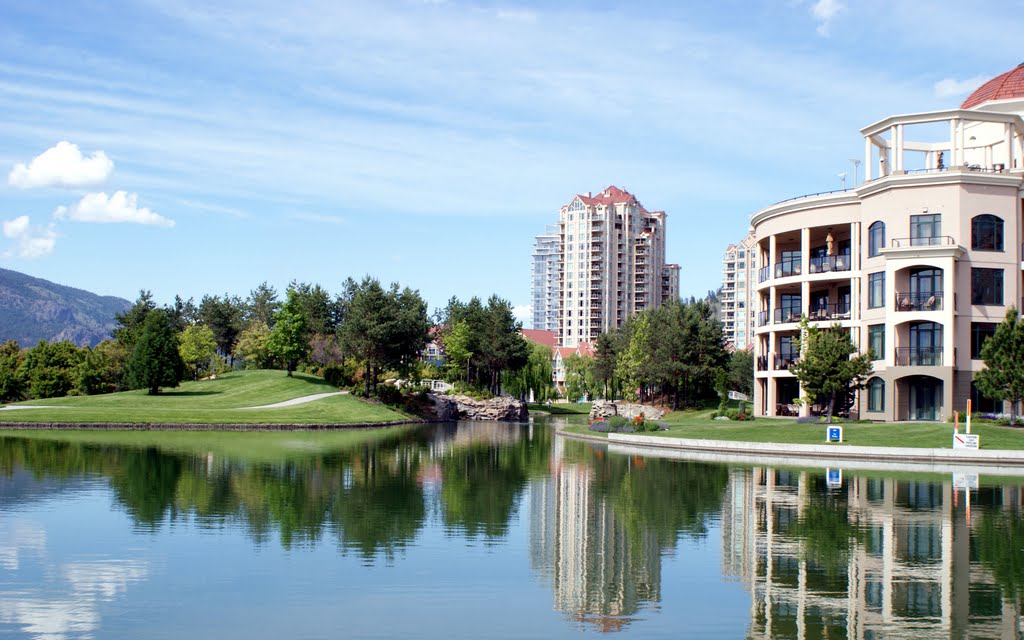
(198,426)
(881,457)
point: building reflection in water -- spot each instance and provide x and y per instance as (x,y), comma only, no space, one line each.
(877,557)
(599,573)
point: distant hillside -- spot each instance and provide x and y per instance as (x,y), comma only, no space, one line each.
(32,309)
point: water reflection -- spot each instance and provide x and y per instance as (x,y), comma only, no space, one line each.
(866,556)
(878,557)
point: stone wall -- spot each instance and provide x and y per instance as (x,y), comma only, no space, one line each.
(604,409)
(456,407)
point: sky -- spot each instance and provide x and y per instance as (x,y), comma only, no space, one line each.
(191,147)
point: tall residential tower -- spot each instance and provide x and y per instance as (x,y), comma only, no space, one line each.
(612,263)
(739,266)
(546,266)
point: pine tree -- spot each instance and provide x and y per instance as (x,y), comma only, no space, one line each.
(828,368)
(155,362)
(1003,353)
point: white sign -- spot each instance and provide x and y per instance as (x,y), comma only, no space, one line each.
(965,441)
(736,395)
(834,478)
(965,482)
(834,434)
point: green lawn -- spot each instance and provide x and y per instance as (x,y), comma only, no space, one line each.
(261,446)
(572,408)
(213,402)
(936,435)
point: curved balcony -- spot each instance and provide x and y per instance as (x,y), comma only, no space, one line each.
(837,311)
(830,264)
(918,356)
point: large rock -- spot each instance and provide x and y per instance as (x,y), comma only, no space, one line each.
(466,408)
(603,409)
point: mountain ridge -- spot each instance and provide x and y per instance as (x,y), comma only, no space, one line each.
(34,309)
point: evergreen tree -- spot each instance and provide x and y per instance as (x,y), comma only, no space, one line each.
(828,369)
(741,371)
(1003,353)
(224,317)
(155,362)
(129,323)
(262,305)
(12,378)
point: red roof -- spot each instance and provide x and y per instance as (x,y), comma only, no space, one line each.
(546,338)
(1006,86)
(611,195)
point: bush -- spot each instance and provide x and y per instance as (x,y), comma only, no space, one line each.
(808,420)
(388,394)
(337,376)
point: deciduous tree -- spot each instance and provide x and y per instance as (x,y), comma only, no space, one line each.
(197,346)
(1003,354)
(289,339)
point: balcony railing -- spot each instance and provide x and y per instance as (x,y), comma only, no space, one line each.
(918,356)
(764,273)
(762,363)
(784,361)
(762,318)
(786,269)
(837,311)
(919,301)
(828,264)
(923,241)
(787,315)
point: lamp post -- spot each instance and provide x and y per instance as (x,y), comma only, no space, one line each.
(856,166)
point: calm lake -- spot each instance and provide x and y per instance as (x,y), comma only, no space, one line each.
(475,530)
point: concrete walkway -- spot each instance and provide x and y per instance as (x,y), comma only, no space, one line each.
(31,406)
(295,401)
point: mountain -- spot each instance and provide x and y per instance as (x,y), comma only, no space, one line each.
(33,309)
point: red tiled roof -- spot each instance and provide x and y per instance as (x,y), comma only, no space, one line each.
(565,352)
(611,195)
(585,349)
(1006,86)
(546,338)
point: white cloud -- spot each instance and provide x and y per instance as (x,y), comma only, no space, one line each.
(823,11)
(29,241)
(120,207)
(62,165)
(950,87)
(523,313)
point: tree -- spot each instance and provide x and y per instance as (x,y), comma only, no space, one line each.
(634,361)
(102,370)
(262,305)
(579,379)
(12,378)
(289,339)
(741,371)
(197,346)
(316,307)
(1003,354)
(129,323)
(828,368)
(535,376)
(183,313)
(50,367)
(457,351)
(252,347)
(155,362)
(224,317)
(606,354)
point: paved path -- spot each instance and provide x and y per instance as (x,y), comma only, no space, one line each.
(295,401)
(31,406)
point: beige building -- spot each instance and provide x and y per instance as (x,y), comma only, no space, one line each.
(612,263)
(919,262)
(739,273)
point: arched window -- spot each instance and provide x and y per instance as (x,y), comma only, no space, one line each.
(986,233)
(876,238)
(876,395)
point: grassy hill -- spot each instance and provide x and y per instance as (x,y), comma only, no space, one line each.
(33,309)
(220,401)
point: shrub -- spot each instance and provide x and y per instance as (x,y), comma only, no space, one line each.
(388,394)
(337,376)
(808,420)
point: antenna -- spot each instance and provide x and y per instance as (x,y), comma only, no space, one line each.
(856,166)
(842,176)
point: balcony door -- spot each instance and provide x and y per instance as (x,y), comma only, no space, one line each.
(926,288)
(925,397)
(926,344)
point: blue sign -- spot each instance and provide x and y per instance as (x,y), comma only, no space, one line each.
(834,434)
(834,478)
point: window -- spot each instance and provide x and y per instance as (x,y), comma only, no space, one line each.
(980,332)
(925,229)
(982,403)
(876,290)
(986,233)
(876,238)
(987,286)
(790,308)
(789,264)
(876,340)
(876,395)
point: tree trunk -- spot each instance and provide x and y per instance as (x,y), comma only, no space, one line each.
(831,404)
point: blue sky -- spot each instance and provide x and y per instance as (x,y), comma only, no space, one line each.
(220,144)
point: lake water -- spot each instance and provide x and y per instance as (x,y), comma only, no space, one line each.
(487,530)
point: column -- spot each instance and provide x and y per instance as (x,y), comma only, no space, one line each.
(899,147)
(805,251)
(953,158)
(772,256)
(1008,142)
(772,400)
(867,158)
(805,298)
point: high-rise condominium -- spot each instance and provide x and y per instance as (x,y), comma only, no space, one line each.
(546,266)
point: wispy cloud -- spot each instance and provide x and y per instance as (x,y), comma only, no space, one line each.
(29,241)
(824,11)
(62,165)
(120,207)
(950,87)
